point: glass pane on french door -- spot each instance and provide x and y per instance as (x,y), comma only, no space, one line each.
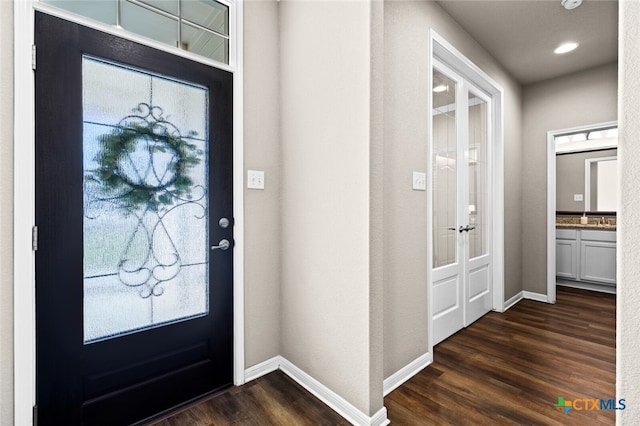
(145,143)
(444,169)
(478,172)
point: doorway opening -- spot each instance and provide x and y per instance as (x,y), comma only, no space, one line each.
(581,220)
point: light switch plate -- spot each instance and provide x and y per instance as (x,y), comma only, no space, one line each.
(419,181)
(255,179)
(577,197)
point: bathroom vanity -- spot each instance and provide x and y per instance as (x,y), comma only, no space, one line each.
(586,254)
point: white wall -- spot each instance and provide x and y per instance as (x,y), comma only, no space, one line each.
(406,132)
(325,95)
(580,99)
(6,212)
(628,289)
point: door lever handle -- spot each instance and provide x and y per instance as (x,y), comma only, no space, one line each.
(467,228)
(452,228)
(222,245)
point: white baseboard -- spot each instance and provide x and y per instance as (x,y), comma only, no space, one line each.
(535,296)
(262,369)
(332,399)
(380,418)
(406,372)
(512,301)
(589,286)
(320,391)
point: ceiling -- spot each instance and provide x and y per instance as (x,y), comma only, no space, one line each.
(521,34)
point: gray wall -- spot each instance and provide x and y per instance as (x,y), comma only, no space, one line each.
(628,299)
(406,132)
(262,208)
(327,305)
(6,212)
(309,298)
(580,99)
(570,179)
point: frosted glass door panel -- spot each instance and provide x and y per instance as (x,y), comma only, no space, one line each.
(478,172)
(145,222)
(444,169)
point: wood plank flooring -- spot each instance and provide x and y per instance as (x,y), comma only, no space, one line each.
(274,399)
(504,369)
(511,368)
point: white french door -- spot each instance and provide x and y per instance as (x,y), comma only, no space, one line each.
(461,175)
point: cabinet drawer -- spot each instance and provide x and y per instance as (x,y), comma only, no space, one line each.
(566,234)
(591,235)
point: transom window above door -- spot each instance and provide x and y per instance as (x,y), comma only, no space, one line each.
(197,26)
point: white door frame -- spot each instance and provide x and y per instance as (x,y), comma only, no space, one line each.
(551,199)
(444,52)
(24,189)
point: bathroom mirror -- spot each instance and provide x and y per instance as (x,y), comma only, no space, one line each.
(600,182)
(586,171)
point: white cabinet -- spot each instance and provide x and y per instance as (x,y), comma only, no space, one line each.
(586,255)
(598,256)
(567,254)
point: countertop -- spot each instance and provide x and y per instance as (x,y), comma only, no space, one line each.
(606,227)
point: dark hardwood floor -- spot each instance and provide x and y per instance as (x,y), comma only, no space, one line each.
(511,368)
(504,369)
(274,399)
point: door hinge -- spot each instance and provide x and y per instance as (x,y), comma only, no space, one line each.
(33,57)
(35,415)
(34,238)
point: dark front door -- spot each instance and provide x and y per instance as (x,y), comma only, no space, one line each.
(134,212)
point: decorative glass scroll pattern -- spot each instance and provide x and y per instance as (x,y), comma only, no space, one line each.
(145,226)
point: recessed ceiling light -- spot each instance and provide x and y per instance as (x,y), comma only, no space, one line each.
(565,48)
(570,4)
(440,88)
